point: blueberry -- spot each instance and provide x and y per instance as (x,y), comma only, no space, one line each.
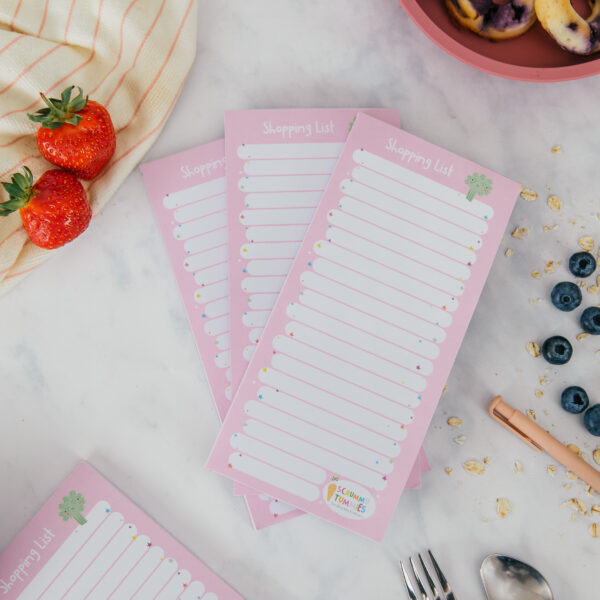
(582,264)
(574,399)
(557,350)
(590,320)
(566,296)
(591,419)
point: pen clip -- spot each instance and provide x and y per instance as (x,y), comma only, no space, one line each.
(502,412)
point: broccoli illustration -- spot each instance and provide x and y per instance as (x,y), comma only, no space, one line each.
(351,124)
(479,185)
(72,507)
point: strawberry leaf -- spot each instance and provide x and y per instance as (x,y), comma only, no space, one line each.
(59,111)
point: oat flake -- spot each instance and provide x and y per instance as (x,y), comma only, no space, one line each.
(586,242)
(455,422)
(521,232)
(575,504)
(474,466)
(533,349)
(529,195)
(554,202)
(503,507)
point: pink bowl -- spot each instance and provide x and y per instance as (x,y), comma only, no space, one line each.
(532,57)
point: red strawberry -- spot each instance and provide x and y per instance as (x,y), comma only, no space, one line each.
(76,134)
(54,210)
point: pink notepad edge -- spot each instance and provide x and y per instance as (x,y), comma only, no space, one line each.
(373,135)
(87,481)
(171,174)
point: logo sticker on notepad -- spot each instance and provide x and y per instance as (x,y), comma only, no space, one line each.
(348,499)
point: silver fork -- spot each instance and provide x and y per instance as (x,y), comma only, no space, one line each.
(447,591)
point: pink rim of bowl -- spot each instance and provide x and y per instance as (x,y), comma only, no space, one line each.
(534,56)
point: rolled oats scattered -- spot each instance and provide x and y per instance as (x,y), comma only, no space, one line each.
(535,274)
(595,510)
(549,268)
(593,289)
(486,461)
(551,469)
(448,470)
(455,421)
(571,475)
(533,349)
(539,393)
(582,336)
(556,149)
(460,440)
(508,252)
(554,202)
(596,453)
(503,507)
(520,232)
(527,194)
(474,466)
(586,242)
(574,448)
(575,504)
(518,466)
(531,414)
(543,380)
(594,530)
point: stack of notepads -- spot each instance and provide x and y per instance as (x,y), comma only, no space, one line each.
(329,263)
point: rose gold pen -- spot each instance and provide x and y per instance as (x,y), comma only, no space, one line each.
(540,439)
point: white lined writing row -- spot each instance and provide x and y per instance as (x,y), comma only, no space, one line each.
(369,323)
(397,173)
(270,250)
(392,260)
(423,210)
(290,150)
(458,249)
(200,209)
(379,415)
(290,166)
(400,245)
(196,193)
(281,216)
(184,231)
(380,376)
(283,183)
(370,306)
(284,199)
(283,233)
(206,241)
(354,335)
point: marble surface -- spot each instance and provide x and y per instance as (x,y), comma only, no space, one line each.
(98,361)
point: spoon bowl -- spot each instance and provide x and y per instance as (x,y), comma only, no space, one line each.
(505,577)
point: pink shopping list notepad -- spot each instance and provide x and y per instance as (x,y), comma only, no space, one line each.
(187,192)
(90,542)
(279,163)
(337,399)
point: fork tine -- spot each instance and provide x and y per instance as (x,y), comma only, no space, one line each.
(424,595)
(436,594)
(445,586)
(409,587)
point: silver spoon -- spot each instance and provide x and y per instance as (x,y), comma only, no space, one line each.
(505,577)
